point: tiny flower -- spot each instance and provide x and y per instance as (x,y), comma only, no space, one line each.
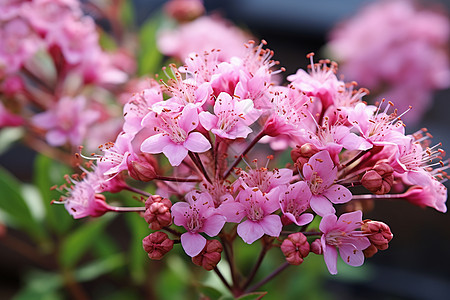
(197,215)
(262,178)
(157,215)
(433,195)
(295,201)
(320,174)
(232,117)
(295,248)
(175,138)
(342,234)
(210,256)
(157,244)
(258,209)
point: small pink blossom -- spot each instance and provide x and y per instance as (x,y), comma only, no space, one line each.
(258,209)
(295,201)
(433,195)
(197,215)
(231,118)
(115,155)
(67,121)
(263,179)
(82,201)
(342,234)
(320,174)
(174,137)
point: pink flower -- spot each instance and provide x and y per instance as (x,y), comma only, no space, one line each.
(258,209)
(295,201)
(114,159)
(231,118)
(341,234)
(82,201)
(320,174)
(263,179)
(203,34)
(175,138)
(8,119)
(19,43)
(67,121)
(433,195)
(197,215)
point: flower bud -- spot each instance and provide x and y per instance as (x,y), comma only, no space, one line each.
(378,233)
(158,216)
(316,247)
(379,179)
(157,245)
(301,155)
(295,247)
(184,10)
(370,251)
(157,198)
(210,256)
(142,167)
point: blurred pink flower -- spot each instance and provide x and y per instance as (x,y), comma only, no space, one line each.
(397,49)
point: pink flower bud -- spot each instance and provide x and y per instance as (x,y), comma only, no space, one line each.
(301,155)
(295,247)
(379,180)
(316,247)
(210,255)
(379,233)
(184,10)
(142,167)
(157,198)
(157,245)
(158,215)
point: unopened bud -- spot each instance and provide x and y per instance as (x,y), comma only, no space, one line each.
(157,198)
(142,167)
(301,155)
(210,256)
(99,206)
(184,10)
(295,247)
(378,233)
(316,247)
(158,216)
(157,245)
(379,179)
(370,251)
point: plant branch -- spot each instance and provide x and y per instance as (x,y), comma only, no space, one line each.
(268,278)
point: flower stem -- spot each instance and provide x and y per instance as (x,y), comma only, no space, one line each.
(138,191)
(198,163)
(224,281)
(172,231)
(166,178)
(127,209)
(239,158)
(256,266)
(268,278)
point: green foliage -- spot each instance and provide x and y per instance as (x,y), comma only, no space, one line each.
(149,58)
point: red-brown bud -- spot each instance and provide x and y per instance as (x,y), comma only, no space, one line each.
(295,247)
(379,179)
(157,245)
(316,247)
(378,233)
(157,198)
(142,167)
(301,155)
(370,251)
(157,213)
(210,256)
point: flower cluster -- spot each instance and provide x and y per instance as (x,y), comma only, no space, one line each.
(188,135)
(405,55)
(55,79)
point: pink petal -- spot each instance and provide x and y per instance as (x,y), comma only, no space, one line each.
(193,243)
(321,163)
(189,118)
(175,153)
(351,256)
(337,194)
(155,143)
(179,211)
(330,257)
(197,142)
(271,225)
(304,219)
(223,102)
(250,231)
(350,221)
(213,225)
(208,120)
(321,206)
(233,211)
(328,223)
(56,138)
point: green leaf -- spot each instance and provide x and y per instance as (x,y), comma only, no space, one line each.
(149,58)
(127,13)
(99,267)
(8,136)
(15,207)
(48,173)
(107,42)
(76,244)
(210,292)
(40,286)
(252,296)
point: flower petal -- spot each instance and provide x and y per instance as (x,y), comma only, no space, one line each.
(193,243)
(271,225)
(175,153)
(321,206)
(213,225)
(197,142)
(155,143)
(351,256)
(250,231)
(338,194)
(330,257)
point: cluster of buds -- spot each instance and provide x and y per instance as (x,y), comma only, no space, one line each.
(187,137)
